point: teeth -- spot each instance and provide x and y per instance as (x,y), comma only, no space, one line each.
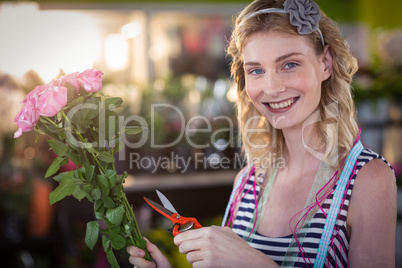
(282,104)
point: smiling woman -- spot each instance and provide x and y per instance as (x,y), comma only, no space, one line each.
(333,202)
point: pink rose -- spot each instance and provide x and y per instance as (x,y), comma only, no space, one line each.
(27,118)
(90,80)
(51,99)
(72,79)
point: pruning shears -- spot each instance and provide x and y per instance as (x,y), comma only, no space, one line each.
(180,224)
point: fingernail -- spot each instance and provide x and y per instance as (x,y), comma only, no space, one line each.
(153,265)
(140,252)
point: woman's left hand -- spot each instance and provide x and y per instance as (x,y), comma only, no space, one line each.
(219,247)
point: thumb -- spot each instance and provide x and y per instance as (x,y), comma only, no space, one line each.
(157,255)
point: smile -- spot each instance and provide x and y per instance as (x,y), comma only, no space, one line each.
(282,104)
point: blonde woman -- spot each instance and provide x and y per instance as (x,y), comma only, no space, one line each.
(324,200)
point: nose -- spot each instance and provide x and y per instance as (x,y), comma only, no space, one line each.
(274,84)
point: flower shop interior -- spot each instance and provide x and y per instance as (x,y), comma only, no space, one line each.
(167,61)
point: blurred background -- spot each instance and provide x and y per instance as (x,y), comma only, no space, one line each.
(160,52)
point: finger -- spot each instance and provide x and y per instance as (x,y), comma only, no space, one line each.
(135,252)
(188,235)
(152,249)
(137,258)
(157,255)
(141,262)
(194,256)
(191,245)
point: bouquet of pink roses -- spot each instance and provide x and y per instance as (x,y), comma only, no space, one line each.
(84,128)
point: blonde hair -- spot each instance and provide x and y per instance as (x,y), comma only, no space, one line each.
(339,137)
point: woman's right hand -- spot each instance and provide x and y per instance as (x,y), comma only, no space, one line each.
(137,257)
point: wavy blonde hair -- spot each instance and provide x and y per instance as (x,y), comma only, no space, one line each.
(337,128)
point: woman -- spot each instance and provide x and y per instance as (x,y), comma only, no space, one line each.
(293,71)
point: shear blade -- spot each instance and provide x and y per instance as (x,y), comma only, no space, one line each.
(165,202)
(160,208)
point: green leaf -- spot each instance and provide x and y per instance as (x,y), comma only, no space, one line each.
(66,187)
(64,162)
(96,194)
(133,130)
(98,204)
(43,127)
(60,148)
(54,167)
(75,158)
(93,150)
(103,183)
(64,175)
(77,101)
(112,177)
(87,114)
(141,243)
(99,209)
(110,172)
(112,259)
(115,101)
(100,212)
(89,197)
(116,229)
(78,193)
(119,195)
(118,242)
(106,157)
(87,188)
(89,172)
(105,242)
(128,227)
(62,134)
(78,174)
(48,127)
(92,234)
(115,215)
(115,190)
(109,203)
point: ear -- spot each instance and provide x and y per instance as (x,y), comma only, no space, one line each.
(327,60)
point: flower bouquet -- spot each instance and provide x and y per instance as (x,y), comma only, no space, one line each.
(84,128)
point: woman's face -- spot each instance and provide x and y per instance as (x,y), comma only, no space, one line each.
(283,77)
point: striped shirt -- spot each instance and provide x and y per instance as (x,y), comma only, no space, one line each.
(277,247)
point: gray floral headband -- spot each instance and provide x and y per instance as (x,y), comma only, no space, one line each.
(304,14)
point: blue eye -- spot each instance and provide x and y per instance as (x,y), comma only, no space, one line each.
(290,65)
(256,71)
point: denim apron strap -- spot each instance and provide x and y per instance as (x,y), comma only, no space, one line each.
(335,205)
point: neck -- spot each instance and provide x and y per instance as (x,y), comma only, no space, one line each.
(297,140)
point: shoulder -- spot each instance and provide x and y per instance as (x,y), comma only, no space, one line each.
(373,171)
(374,193)
(373,174)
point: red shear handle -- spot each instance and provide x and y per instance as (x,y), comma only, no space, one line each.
(185,224)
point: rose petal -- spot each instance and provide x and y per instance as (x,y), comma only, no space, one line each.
(90,80)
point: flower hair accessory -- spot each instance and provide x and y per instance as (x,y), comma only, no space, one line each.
(303,14)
